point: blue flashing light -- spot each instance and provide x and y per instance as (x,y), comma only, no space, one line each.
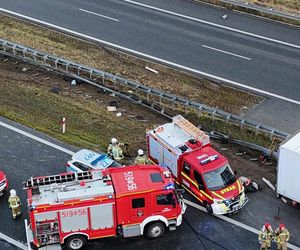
(169,186)
(100,158)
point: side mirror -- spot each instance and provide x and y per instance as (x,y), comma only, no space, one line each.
(201,186)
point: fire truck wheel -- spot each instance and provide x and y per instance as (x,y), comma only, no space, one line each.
(76,242)
(155,230)
(208,208)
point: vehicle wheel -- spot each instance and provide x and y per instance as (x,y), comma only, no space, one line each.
(208,208)
(76,242)
(155,230)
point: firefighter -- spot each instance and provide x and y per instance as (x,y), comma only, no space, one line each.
(265,236)
(114,150)
(14,204)
(141,159)
(282,236)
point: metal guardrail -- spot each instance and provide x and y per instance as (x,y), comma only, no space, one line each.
(97,77)
(271,11)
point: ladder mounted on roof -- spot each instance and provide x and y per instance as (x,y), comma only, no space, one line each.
(191,129)
(61,178)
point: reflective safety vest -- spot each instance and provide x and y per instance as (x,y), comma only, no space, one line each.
(282,236)
(14,202)
(141,160)
(265,236)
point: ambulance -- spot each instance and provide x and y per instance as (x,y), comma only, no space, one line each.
(186,151)
(71,208)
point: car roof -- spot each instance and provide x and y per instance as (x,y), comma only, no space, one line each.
(90,157)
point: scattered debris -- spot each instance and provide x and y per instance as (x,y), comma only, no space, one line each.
(119,114)
(129,91)
(253,159)
(47,78)
(111,108)
(223,149)
(87,96)
(112,94)
(269,184)
(152,70)
(249,185)
(73,82)
(5,60)
(55,89)
(224,17)
(240,153)
(24,69)
(35,74)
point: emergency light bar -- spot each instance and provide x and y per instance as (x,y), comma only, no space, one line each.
(209,159)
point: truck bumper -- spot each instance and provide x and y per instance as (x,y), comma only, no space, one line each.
(179,220)
(234,207)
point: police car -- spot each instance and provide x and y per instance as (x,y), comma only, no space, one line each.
(85,159)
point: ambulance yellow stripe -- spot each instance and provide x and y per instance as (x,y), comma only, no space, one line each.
(221,197)
(189,179)
(196,185)
(239,185)
(206,194)
(191,193)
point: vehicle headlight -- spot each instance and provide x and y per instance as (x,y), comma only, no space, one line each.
(226,202)
(218,201)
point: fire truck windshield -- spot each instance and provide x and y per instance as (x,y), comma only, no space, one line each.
(219,178)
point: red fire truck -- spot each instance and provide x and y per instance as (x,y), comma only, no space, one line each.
(186,151)
(3,183)
(71,208)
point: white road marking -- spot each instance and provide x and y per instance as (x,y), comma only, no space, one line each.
(226,52)
(217,78)
(16,243)
(50,144)
(96,14)
(237,223)
(214,24)
(13,242)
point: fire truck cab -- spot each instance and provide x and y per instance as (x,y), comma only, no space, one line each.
(195,165)
(73,208)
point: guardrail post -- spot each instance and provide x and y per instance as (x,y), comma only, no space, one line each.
(185,107)
(199,111)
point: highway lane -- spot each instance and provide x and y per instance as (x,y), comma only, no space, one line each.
(252,61)
(22,157)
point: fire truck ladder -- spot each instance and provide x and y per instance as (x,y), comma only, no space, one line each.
(63,178)
(191,129)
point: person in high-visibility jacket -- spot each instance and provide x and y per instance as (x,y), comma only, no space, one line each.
(14,204)
(282,236)
(114,150)
(141,159)
(265,236)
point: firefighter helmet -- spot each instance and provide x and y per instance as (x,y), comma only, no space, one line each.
(114,140)
(13,193)
(140,152)
(281,226)
(267,226)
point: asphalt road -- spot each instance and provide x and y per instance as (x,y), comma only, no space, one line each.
(259,54)
(22,157)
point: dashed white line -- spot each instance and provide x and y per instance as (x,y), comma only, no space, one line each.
(226,52)
(22,246)
(213,24)
(157,59)
(96,14)
(237,223)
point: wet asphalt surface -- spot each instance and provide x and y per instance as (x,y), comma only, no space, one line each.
(22,157)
